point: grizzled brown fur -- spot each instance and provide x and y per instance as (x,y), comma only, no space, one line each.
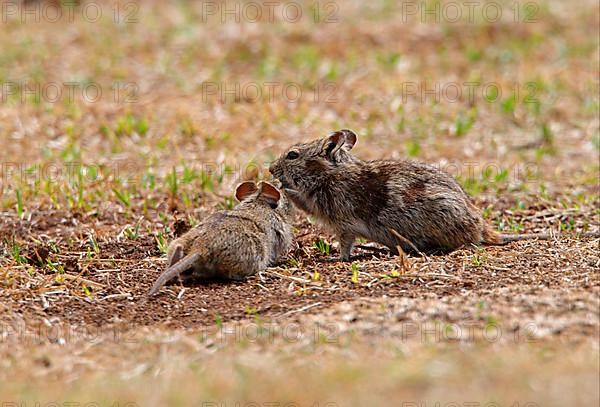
(233,244)
(380,199)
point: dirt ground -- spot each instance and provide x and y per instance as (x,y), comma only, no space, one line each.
(93,191)
(540,281)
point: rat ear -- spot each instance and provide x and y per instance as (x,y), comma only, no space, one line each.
(271,194)
(340,139)
(350,138)
(244,190)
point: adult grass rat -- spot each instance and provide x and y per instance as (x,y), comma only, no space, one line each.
(236,243)
(395,203)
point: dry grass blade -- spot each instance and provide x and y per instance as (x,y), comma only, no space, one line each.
(291,278)
(403,261)
(408,242)
(302,309)
(79,279)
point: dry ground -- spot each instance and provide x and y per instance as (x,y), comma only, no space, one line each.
(92,191)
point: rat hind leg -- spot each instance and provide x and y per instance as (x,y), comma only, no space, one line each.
(174,253)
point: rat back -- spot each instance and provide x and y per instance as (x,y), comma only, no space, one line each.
(426,206)
(232,246)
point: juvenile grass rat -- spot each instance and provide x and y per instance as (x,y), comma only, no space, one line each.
(236,243)
(395,203)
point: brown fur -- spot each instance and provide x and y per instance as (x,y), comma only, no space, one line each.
(355,198)
(233,244)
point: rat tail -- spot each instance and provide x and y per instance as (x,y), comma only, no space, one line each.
(527,236)
(495,238)
(492,237)
(176,269)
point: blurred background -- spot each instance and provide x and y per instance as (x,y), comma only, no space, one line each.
(123,123)
(503,95)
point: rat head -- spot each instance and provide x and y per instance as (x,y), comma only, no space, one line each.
(302,166)
(263,194)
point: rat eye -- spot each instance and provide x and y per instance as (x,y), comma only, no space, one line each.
(292,155)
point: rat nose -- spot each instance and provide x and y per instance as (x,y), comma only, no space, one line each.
(271,168)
